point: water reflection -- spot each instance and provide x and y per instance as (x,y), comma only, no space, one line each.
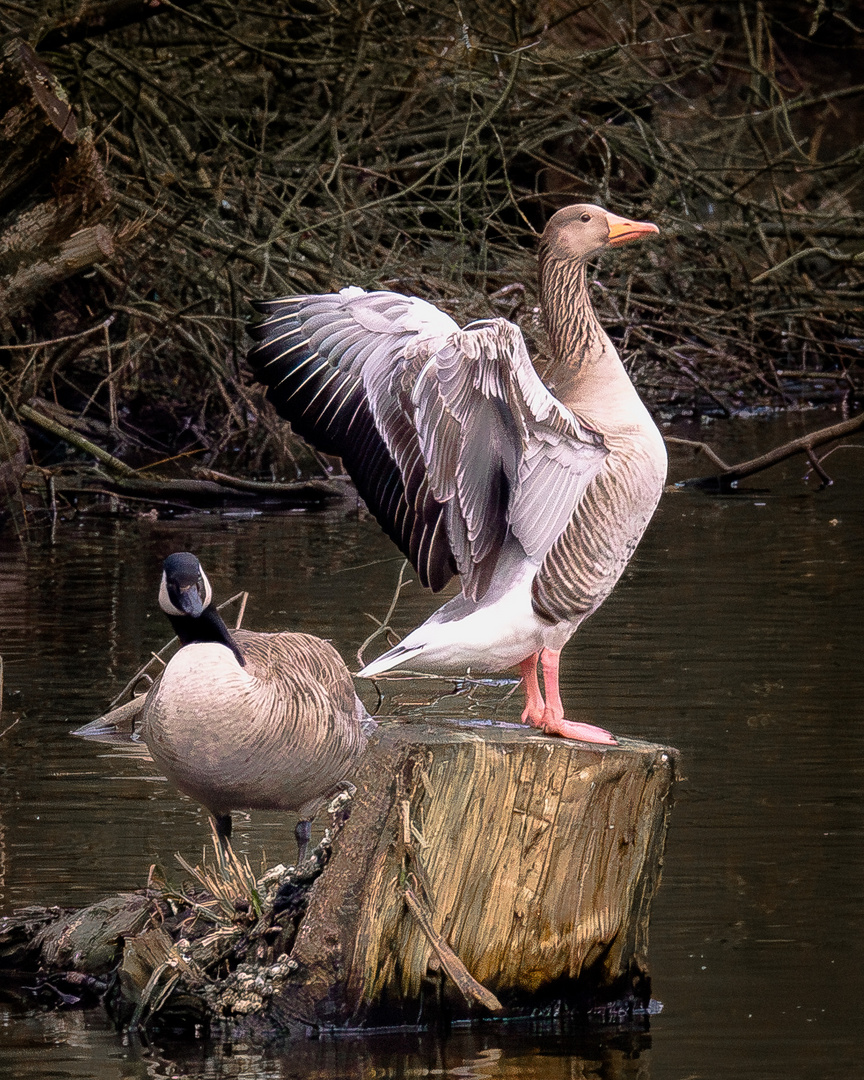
(75,1045)
(735,636)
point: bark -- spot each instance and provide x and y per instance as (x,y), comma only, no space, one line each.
(81,250)
(53,192)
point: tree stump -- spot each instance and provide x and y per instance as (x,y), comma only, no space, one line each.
(534,859)
(485,870)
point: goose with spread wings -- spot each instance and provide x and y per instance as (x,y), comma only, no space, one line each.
(536,494)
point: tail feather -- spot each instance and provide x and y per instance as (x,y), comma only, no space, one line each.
(389,660)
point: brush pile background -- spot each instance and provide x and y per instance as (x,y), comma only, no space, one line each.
(256,149)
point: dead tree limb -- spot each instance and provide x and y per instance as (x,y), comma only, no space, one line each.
(74,438)
(266,487)
(53,192)
(212,487)
(96,19)
(729,475)
(469,987)
(82,249)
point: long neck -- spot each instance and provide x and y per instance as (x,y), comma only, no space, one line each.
(208,626)
(575,333)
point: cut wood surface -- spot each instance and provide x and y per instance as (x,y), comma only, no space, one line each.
(537,858)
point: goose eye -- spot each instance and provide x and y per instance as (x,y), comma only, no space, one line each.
(585,217)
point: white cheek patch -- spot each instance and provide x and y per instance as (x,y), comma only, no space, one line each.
(165,600)
(208,592)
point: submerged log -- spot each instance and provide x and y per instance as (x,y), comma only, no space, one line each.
(485,870)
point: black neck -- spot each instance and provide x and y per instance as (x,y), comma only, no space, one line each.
(208,626)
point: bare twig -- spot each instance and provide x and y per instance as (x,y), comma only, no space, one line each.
(62,340)
(729,475)
(835,256)
(384,626)
(9,728)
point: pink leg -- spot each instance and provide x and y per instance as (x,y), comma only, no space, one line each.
(534,704)
(553,722)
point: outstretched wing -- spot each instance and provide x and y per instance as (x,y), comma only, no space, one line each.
(328,362)
(449,434)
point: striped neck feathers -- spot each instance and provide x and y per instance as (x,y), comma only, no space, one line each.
(574,331)
(206,627)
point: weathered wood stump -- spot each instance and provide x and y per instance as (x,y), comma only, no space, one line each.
(485,869)
(536,858)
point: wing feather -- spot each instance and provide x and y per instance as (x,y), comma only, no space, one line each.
(450,436)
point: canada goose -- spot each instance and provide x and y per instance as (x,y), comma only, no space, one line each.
(536,496)
(247,720)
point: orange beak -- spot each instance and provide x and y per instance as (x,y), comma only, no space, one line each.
(621,229)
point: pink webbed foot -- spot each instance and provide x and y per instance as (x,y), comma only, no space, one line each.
(569,729)
(549,715)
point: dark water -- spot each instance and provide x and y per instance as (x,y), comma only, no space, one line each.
(736,636)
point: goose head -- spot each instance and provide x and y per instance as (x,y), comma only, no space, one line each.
(186,597)
(580,231)
(185,589)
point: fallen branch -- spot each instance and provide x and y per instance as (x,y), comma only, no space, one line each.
(74,438)
(95,19)
(468,985)
(729,475)
(266,487)
(211,485)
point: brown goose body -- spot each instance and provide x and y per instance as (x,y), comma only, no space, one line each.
(244,720)
(536,494)
(281,733)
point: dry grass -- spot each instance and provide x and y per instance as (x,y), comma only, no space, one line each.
(228,881)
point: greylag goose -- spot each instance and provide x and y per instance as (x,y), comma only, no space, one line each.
(242,720)
(535,495)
